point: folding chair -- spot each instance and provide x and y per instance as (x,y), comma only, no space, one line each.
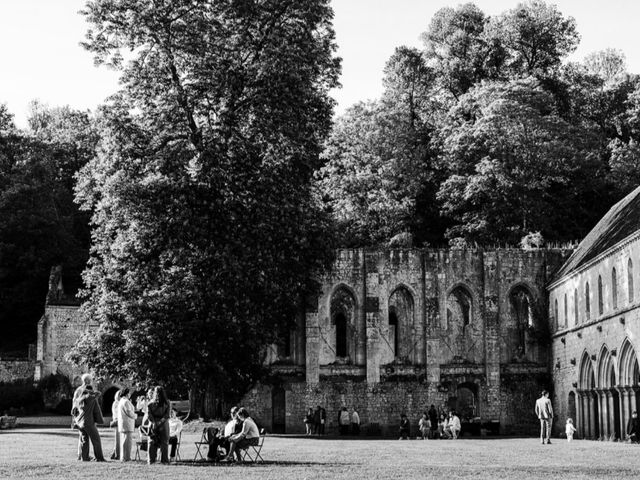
(142,440)
(201,444)
(253,451)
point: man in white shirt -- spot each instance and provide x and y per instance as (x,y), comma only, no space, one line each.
(250,435)
(544,411)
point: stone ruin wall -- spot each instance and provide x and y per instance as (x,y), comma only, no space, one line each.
(436,353)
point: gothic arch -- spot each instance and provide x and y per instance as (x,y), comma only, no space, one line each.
(587,376)
(606,375)
(401,322)
(522,309)
(460,303)
(629,374)
(343,314)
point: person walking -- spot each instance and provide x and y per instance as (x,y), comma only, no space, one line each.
(355,422)
(344,421)
(127,424)
(569,429)
(544,411)
(433,420)
(158,412)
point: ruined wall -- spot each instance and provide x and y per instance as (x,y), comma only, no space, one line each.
(11,370)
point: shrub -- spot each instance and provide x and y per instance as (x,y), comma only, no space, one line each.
(55,388)
(20,397)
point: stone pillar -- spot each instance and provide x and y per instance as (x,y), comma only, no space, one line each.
(313,348)
(372,316)
(623,417)
(579,414)
(611,410)
(592,419)
(603,420)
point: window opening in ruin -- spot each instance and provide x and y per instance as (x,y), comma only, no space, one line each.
(286,347)
(587,301)
(575,306)
(341,335)
(614,288)
(393,330)
(566,311)
(600,300)
(555,313)
(461,305)
(630,280)
(521,306)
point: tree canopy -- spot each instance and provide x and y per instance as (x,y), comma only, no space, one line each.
(206,228)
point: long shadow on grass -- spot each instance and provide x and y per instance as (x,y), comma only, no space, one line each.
(277,463)
(70,433)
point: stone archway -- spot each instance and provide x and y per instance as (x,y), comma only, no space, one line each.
(107,400)
(401,324)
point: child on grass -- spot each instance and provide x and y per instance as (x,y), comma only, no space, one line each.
(570,429)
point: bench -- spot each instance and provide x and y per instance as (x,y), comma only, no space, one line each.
(7,422)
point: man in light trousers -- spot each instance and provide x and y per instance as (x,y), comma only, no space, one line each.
(544,411)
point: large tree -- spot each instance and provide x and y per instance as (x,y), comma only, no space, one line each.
(515,166)
(206,228)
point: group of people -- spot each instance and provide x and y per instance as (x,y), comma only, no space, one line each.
(434,426)
(160,425)
(238,434)
(315,420)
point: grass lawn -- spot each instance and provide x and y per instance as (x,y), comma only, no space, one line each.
(50,453)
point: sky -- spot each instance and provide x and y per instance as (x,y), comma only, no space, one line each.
(41,57)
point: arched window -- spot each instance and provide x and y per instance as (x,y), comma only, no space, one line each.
(393,330)
(587,302)
(630,280)
(575,306)
(401,323)
(522,306)
(555,312)
(341,335)
(600,301)
(614,288)
(566,311)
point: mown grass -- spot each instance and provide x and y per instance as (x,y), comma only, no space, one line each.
(50,453)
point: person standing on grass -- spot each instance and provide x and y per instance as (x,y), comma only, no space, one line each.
(308,422)
(405,427)
(115,455)
(323,421)
(424,425)
(158,412)
(316,421)
(355,422)
(344,421)
(86,412)
(633,429)
(569,429)
(544,411)
(127,424)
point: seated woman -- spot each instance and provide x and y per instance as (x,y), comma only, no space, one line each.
(405,428)
(249,435)
(442,427)
(175,427)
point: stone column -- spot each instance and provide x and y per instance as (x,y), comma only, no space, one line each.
(312,360)
(623,417)
(611,410)
(579,414)
(603,410)
(592,419)
(372,316)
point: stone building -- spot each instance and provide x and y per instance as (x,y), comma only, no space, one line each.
(594,304)
(395,331)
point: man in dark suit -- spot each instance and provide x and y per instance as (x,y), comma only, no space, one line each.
(86,412)
(544,411)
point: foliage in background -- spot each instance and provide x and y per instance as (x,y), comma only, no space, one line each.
(40,225)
